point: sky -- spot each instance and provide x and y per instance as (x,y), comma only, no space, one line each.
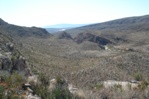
(49,12)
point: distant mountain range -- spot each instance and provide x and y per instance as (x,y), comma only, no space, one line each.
(62,27)
(65,25)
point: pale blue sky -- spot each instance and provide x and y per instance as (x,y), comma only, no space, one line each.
(49,12)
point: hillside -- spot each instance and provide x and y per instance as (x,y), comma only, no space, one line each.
(13,30)
(133,29)
(119,51)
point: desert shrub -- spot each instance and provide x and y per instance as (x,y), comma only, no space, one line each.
(2,89)
(60,80)
(44,79)
(143,85)
(15,97)
(41,90)
(99,85)
(59,93)
(138,77)
(14,80)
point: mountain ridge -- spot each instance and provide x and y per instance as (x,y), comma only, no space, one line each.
(64,25)
(130,23)
(22,31)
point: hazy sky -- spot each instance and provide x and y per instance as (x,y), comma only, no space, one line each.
(49,12)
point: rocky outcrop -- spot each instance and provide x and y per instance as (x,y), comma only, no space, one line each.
(64,35)
(10,58)
(86,36)
(10,65)
(124,85)
(19,64)
(6,64)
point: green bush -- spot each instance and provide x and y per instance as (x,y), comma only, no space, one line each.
(99,85)
(2,89)
(59,93)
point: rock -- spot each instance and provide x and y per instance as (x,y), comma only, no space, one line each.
(77,93)
(32,79)
(20,65)
(10,46)
(29,90)
(31,96)
(53,85)
(124,85)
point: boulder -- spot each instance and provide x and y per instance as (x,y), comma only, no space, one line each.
(77,93)
(53,85)
(32,79)
(31,96)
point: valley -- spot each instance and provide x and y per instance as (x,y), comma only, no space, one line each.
(86,56)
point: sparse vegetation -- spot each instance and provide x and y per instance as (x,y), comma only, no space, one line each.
(84,64)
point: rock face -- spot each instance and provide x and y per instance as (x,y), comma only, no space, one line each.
(64,35)
(10,65)
(6,64)
(92,38)
(10,58)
